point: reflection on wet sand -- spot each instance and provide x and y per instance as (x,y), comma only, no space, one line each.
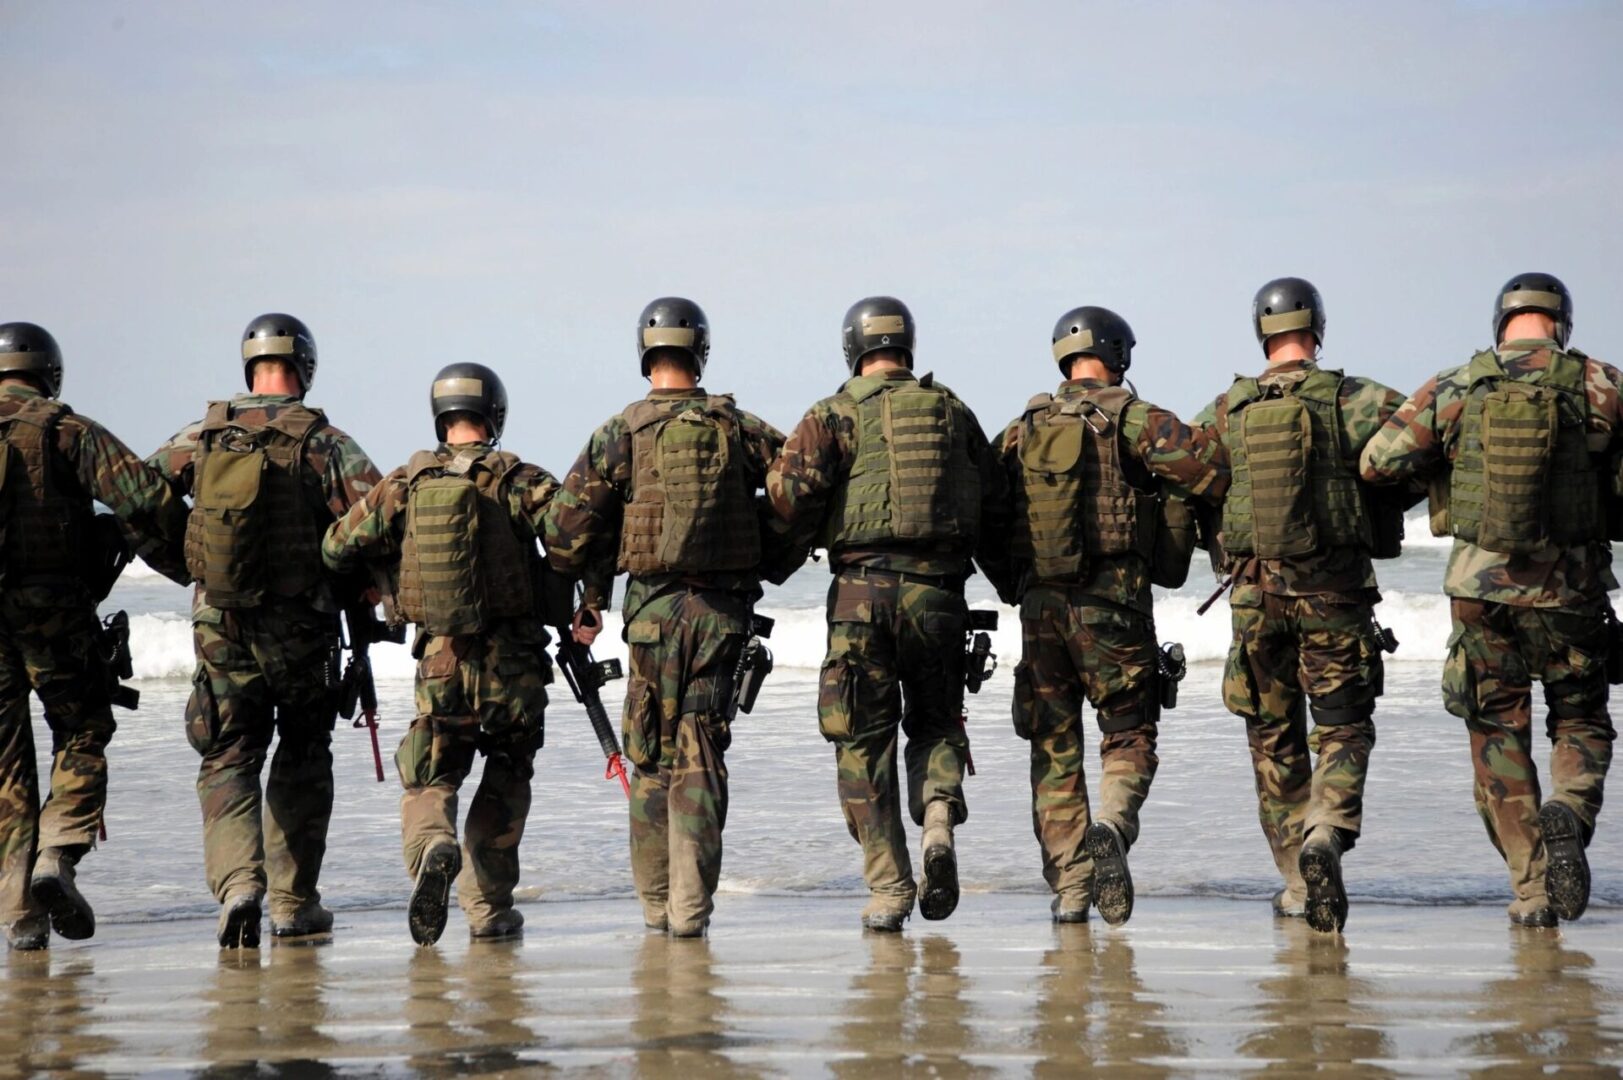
(1311,1011)
(1548,1013)
(268,1007)
(50,1005)
(1093,1011)
(906,1012)
(680,1017)
(467,1015)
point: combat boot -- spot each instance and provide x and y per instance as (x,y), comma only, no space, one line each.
(1566,867)
(239,920)
(1532,912)
(1320,864)
(29,934)
(1112,882)
(431,896)
(54,890)
(506,923)
(307,920)
(938,892)
(691,930)
(1070,906)
(1289,903)
(885,915)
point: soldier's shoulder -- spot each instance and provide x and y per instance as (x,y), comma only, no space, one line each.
(528,474)
(751,424)
(1361,389)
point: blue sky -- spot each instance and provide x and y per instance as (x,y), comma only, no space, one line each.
(509,183)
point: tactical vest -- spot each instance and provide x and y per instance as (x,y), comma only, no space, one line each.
(1075,501)
(257,515)
(912,479)
(1293,491)
(1522,475)
(44,528)
(692,507)
(465,562)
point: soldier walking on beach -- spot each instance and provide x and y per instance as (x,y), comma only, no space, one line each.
(894,477)
(667,492)
(1297,536)
(267,475)
(455,531)
(1520,448)
(57,560)
(1099,481)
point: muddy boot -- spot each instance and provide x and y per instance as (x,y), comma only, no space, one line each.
(1566,868)
(239,921)
(1320,863)
(309,919)
(885,914)
(507,923)
(1071,906)
(431,896)
(1290,902)
(1112,882)
(54,890)
(29,934)
(938,893)
(1532,912)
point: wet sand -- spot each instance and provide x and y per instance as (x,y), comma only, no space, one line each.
(791,986)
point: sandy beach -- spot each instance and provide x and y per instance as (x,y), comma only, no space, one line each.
(791,986)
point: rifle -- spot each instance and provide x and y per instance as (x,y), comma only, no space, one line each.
(115,651)
(754,665)
(357,687)
(979,664)
(1234,575)
(586,677)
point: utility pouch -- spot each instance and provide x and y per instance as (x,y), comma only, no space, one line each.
(443,525)
(1173,666)
(1279,447)
(228,556)
(1174,543)
(1438,489)
(1518,440)
(1385,512)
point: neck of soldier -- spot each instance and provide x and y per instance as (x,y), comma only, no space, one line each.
(1527,325)
(17,380)
(1291,346)
(464,432)
(672,377)
(276,379)
(1094,369)
(875,365)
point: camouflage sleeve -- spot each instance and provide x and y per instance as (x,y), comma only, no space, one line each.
(1605,386)
(803,477)
(1192,460)
(1366,406)
(174,458)
(780,556)
(530,495)
(347,474)
(1206,419)
(992,551)
(371,529)
(1409,444)
(151,514)
(581,529)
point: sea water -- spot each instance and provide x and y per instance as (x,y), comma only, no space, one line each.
(1422,842)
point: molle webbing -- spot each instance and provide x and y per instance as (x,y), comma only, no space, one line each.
(692,507)
(45,527)
(912,479)
(464,561)
(1522,476)
(257,517)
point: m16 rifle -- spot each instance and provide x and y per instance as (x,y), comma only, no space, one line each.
(357,690)
(979,664)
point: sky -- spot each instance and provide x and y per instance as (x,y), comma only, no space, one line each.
(511,183)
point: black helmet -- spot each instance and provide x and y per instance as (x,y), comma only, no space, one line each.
(470,388)
(1093,331)
(675,323)
(279,337)
(879,322)
(1285,304)
(26,349)
(1534,292)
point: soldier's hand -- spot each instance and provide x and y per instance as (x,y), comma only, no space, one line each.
(587,625)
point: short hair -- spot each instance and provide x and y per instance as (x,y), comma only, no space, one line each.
(670,356)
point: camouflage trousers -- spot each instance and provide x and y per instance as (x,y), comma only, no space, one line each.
(475,695)
(895,661)
(261,672)
(684,646)
(1293,655)
(1494,654)
(1075,648)
(54,652)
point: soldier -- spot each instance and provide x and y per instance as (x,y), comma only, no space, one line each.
(1098,478)
(1297,536)
(267,475)
(1519,448)
(666,492)
(53,555)
(894,477)
(455,530)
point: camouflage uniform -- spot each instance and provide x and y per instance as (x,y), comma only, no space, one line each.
(1094,639)
(476,693)
(1304,634)
(1518,618)
(895,641)
(50,644)
(684,632)
(264,671)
